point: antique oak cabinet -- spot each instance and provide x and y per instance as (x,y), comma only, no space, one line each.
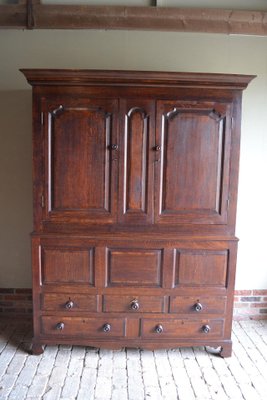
(135,188)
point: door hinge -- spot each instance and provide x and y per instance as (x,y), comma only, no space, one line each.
(227,203)
(42,201)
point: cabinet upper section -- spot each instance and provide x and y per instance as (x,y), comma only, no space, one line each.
(127,149)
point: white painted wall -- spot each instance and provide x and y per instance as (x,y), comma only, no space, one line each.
(135,50)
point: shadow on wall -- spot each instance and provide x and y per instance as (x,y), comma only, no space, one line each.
(15,188)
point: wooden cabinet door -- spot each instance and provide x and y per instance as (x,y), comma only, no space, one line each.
(192,178)
(80,165)
(135,150)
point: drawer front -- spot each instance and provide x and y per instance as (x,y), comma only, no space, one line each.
(69,302)
(93,327)
(142,304)
(180,328)
(200,305)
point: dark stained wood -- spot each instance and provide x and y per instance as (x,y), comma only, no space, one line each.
(204,268)
(180,328)
(66,265)
(71,302)
(198,305)
(135,190)
(80,163)
(193,180)
(134,304)
(83,326)
(136,161)
(34,15)
(134,267)
(106,78)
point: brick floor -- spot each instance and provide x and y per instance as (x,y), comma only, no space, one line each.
(72,372)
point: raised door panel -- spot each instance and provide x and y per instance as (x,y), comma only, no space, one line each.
(134,267)
(67,265)
(194,140)
(201,268)
(137,130)
(80,165)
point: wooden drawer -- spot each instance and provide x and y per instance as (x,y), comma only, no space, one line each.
(142,304)
(69,302)
(181,328)
(91,327)
(200,305)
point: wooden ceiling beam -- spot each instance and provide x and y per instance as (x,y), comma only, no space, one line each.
(32,14)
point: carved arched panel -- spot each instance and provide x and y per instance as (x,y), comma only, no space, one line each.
(136,189)
(194,168)
(79,159)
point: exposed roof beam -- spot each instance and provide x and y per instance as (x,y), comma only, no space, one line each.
(32,14)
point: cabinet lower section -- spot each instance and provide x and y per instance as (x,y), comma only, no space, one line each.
(117,293)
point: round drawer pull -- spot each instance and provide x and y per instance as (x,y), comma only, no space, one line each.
(158,328)
(114,147)
(69,305)
(135,305)
(206,328)
(60,326)
(198,307)
(106,328)
(157,148)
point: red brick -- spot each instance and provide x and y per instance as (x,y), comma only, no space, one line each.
(4,290)
(260,305)
(6,304)
(260,292)
(250,299)
(243,292)
(15,297)
(26,291)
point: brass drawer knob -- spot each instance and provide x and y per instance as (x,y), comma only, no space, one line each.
(206,328)
(60,326)
(158,328)
(198,307)
(106,328)
(135,305)
(69,305)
